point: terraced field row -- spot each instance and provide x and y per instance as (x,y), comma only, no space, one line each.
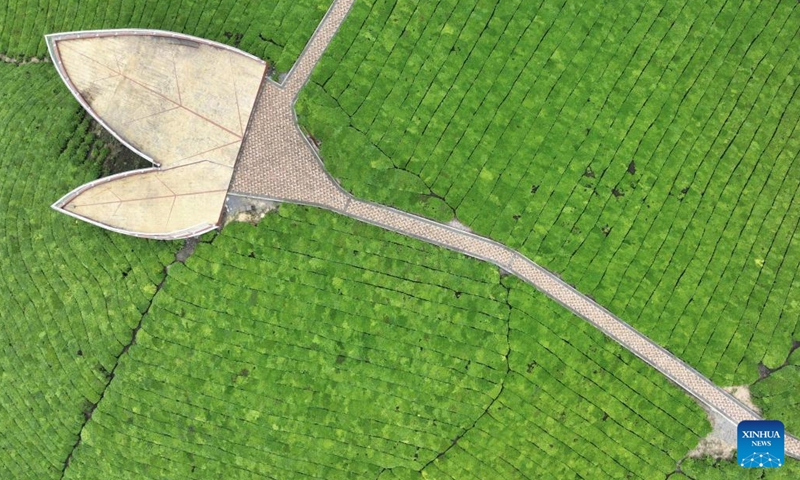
(275,30)
(649,155)
(315,346)
(70,293)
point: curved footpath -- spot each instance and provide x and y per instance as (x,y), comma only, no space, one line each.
(278,163)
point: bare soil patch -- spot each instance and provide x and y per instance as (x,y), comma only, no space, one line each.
(120,158)
(246,209)
(742,393)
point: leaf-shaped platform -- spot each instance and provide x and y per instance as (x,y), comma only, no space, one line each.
(177,202)
(175,100)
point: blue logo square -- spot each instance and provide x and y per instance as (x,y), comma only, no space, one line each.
(760,444)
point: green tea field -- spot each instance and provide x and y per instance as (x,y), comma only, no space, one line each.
(649,155)
(70,294)
(315,346)
(275,30)
(310,346)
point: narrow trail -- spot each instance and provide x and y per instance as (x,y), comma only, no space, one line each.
(278,163)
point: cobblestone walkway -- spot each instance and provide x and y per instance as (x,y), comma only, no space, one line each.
(277,162)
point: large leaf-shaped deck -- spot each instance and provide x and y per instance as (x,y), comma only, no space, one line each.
(182,103)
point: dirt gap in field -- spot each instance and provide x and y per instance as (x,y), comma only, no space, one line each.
(119,157)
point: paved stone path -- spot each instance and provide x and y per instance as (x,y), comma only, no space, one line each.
(277,162)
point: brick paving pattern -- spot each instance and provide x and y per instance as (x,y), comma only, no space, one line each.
(277,162)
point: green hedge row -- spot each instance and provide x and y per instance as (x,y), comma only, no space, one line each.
(276,30)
